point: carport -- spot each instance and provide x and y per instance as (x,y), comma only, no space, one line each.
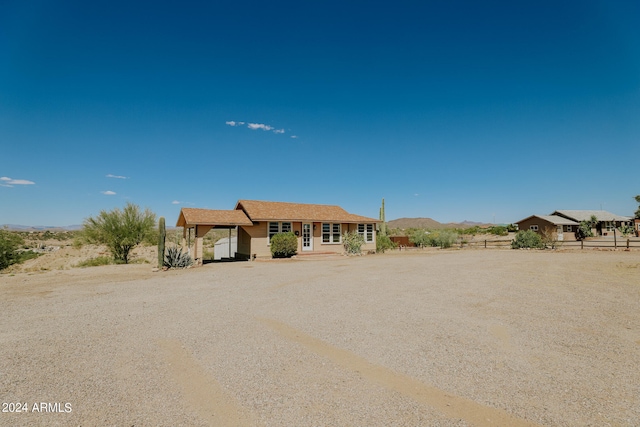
(196,223)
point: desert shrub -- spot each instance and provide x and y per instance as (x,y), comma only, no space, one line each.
(527,239)
(120,230)
(284,245)
(499,230)
(151,238)
(626,230)
(352,242)
(420,238)
(96,262)
(77,242)
(512,228)
(443,238)
(549,237)
(472,231)
(9,248)
(208,255)
(176,258)
(27,255)
(383,242)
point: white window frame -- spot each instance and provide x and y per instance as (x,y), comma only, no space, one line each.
(335,230)
(366,231)
(534,227)
(283,227)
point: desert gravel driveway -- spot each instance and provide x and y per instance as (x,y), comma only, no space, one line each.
(435,338)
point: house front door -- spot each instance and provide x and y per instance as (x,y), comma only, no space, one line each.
(307,237)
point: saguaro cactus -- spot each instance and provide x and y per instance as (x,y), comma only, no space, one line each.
(383,224)
(162,235)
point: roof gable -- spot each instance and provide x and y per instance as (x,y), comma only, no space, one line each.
(553,219)
(284,211)
(212,217)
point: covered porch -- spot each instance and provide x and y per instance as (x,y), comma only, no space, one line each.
(196,223)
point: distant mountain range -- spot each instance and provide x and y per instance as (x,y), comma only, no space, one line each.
(430,223)
(18,227)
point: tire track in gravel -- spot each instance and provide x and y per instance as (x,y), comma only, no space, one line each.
(449,404)
(200,391)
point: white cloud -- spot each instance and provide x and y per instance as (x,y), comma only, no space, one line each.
(117,176)
(294,136)
(176,202)
(10,182)
(108,193)
(256,126)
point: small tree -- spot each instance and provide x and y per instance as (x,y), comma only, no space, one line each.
(383,242)
(9,245)
(284,245)
(352,242)
(527,239)
(120,230)
(420,238)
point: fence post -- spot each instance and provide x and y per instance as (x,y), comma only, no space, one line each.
(627,243)
(485,243)
(582,244)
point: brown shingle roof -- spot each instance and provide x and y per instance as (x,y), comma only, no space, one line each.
(283,211)
(191,216)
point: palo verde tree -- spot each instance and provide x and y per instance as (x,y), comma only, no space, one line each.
(120,230)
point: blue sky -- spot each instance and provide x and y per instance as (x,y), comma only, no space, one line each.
(455,110)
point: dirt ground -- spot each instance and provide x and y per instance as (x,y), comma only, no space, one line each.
(437,338)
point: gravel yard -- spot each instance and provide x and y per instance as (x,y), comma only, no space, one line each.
(429,338)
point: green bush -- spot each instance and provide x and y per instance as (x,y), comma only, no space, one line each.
(9,245)
(527,239)
(420,238)
(352,243)
(284,245)
(499,230)
(383,242)
(443,238)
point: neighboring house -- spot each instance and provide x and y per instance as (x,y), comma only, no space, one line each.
(636,226)
(319,228)
(565,228)
(607,221)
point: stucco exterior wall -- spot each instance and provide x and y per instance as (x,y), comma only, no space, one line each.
(568,231)
(257,235)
